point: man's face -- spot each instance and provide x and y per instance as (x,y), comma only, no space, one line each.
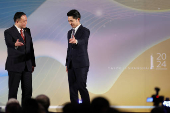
(73,22)
(22,22)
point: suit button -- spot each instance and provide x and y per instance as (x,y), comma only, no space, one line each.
(72,48)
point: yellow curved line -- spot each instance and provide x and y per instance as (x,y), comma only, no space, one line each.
(40,71)
(44,78)
(63,94)
(54,78)
(148,11)
(137,57)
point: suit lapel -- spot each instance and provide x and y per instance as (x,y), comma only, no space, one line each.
(78,32)
(26,36)
(69,34)
(16,32)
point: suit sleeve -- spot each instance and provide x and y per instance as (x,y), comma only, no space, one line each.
(85,37)
(32,50)
(68,49)
(8,40)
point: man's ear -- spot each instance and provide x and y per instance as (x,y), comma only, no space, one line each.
(17,20)
(78,19)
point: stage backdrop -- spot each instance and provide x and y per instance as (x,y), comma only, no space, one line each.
(128,48)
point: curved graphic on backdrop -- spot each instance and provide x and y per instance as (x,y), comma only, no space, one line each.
(146,5)
(118,36)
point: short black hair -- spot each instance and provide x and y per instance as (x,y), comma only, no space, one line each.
(18,15)
(74,13)
(43,100)
(13,108)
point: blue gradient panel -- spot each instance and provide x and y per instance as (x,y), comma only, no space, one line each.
(9,7)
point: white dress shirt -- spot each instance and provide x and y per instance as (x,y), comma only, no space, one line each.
(77,28)
(75,32)
(19,29)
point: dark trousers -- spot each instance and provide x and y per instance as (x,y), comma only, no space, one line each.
(26,84)
(77,78)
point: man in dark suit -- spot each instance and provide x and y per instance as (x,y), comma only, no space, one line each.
(20,61)
(77,61)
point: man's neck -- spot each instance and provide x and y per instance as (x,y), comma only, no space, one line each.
(18,26)
(77,25)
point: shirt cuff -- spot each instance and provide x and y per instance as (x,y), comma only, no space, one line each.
(16,47)
(76,42)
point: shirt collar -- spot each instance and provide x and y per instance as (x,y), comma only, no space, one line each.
(19,29)
(77,28)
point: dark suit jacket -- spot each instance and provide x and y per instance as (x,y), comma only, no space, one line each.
(77,53)
(21,57)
